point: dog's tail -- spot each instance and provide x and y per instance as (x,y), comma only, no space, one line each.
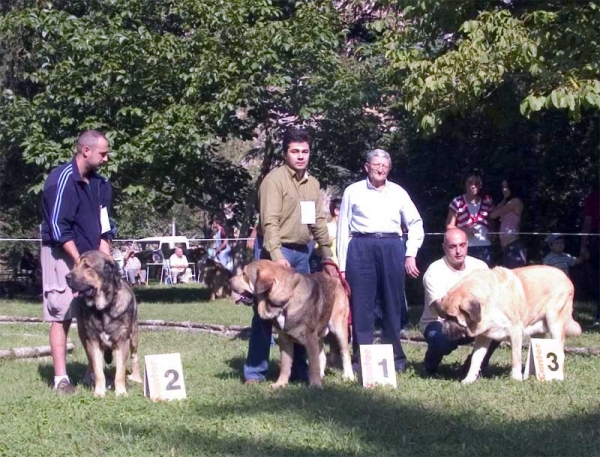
(573,328)
(108,356)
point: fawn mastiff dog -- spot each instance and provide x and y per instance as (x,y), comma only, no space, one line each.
(502,304)
(107,320)
(304,308)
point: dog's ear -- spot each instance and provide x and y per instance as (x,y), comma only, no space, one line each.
(473,309)
(437,305)
(265,278)
(111,271)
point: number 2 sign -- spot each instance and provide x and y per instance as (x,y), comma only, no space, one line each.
(377,365)
(163,377)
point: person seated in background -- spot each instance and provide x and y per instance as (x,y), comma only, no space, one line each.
(133,269)
(178,263)
(557,257)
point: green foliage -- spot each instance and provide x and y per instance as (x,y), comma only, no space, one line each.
(165,82)
(549,52)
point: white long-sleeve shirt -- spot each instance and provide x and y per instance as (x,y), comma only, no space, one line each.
(365,209)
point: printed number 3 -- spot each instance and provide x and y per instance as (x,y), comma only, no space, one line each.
(553,366)
(171,385)
(383,364)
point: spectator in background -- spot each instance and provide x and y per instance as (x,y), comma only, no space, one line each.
(510,210)
(222,249)
(590,245)
(557,257)
(178,263)
(133,269)
(470,212)
(334,210)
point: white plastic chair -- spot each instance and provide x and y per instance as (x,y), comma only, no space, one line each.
(165,273)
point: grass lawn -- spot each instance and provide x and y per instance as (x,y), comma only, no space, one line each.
(221,417)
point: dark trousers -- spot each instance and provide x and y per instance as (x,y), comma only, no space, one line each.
(482,253)
(259,346)
(513,255)
(438,345)
(375,267)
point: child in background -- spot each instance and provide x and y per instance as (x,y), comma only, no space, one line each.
(557,257)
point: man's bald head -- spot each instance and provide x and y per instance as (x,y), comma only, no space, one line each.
(455,247)
(89,139)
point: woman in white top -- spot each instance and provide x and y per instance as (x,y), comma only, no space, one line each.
(470,212)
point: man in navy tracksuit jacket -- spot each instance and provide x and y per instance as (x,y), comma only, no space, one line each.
(75,206)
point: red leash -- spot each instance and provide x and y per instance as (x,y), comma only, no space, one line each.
(344,283)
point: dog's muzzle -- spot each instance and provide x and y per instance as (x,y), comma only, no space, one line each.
(245,298)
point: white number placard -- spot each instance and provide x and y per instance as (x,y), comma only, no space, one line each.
(545,359)
(377,365)
(163,377)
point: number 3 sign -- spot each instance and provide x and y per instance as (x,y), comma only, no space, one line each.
(545,359)
(163,377)
(377,365)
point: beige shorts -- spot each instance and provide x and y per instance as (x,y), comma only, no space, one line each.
(59,304)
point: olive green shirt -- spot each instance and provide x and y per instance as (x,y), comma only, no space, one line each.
(279,200)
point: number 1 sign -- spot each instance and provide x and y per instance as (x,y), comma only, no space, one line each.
(163,377)
(377,365)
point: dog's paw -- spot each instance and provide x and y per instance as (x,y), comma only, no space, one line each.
(134,378)
(120,392)
(278,385)
(516,375)
(99,393)
(469,380)
(316,385)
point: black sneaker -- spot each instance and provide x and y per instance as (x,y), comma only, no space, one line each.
(64,387)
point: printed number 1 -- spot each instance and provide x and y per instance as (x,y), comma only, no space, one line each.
(383,364)
(171,385)
(553,366)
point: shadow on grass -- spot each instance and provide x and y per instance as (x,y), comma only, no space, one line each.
(76,371)
(375,424)
(171,294)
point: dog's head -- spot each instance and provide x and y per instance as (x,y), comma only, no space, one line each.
(95,277)
(461,310)
(266,281)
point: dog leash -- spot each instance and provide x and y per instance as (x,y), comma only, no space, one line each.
(339,275)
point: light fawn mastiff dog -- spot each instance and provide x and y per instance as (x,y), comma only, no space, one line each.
(107,321)
(502,304)
(304,308)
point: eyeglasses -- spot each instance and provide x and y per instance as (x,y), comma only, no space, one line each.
(379,166)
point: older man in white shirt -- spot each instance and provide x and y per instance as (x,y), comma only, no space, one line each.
(372,255)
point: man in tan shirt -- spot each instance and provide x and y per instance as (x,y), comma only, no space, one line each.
(291,215)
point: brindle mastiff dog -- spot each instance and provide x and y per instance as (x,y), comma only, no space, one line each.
(216,278)
(304,308)
(108,318)
(502,304)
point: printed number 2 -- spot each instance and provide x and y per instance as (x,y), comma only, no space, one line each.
(171,385)
(383,364)
(553,366)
